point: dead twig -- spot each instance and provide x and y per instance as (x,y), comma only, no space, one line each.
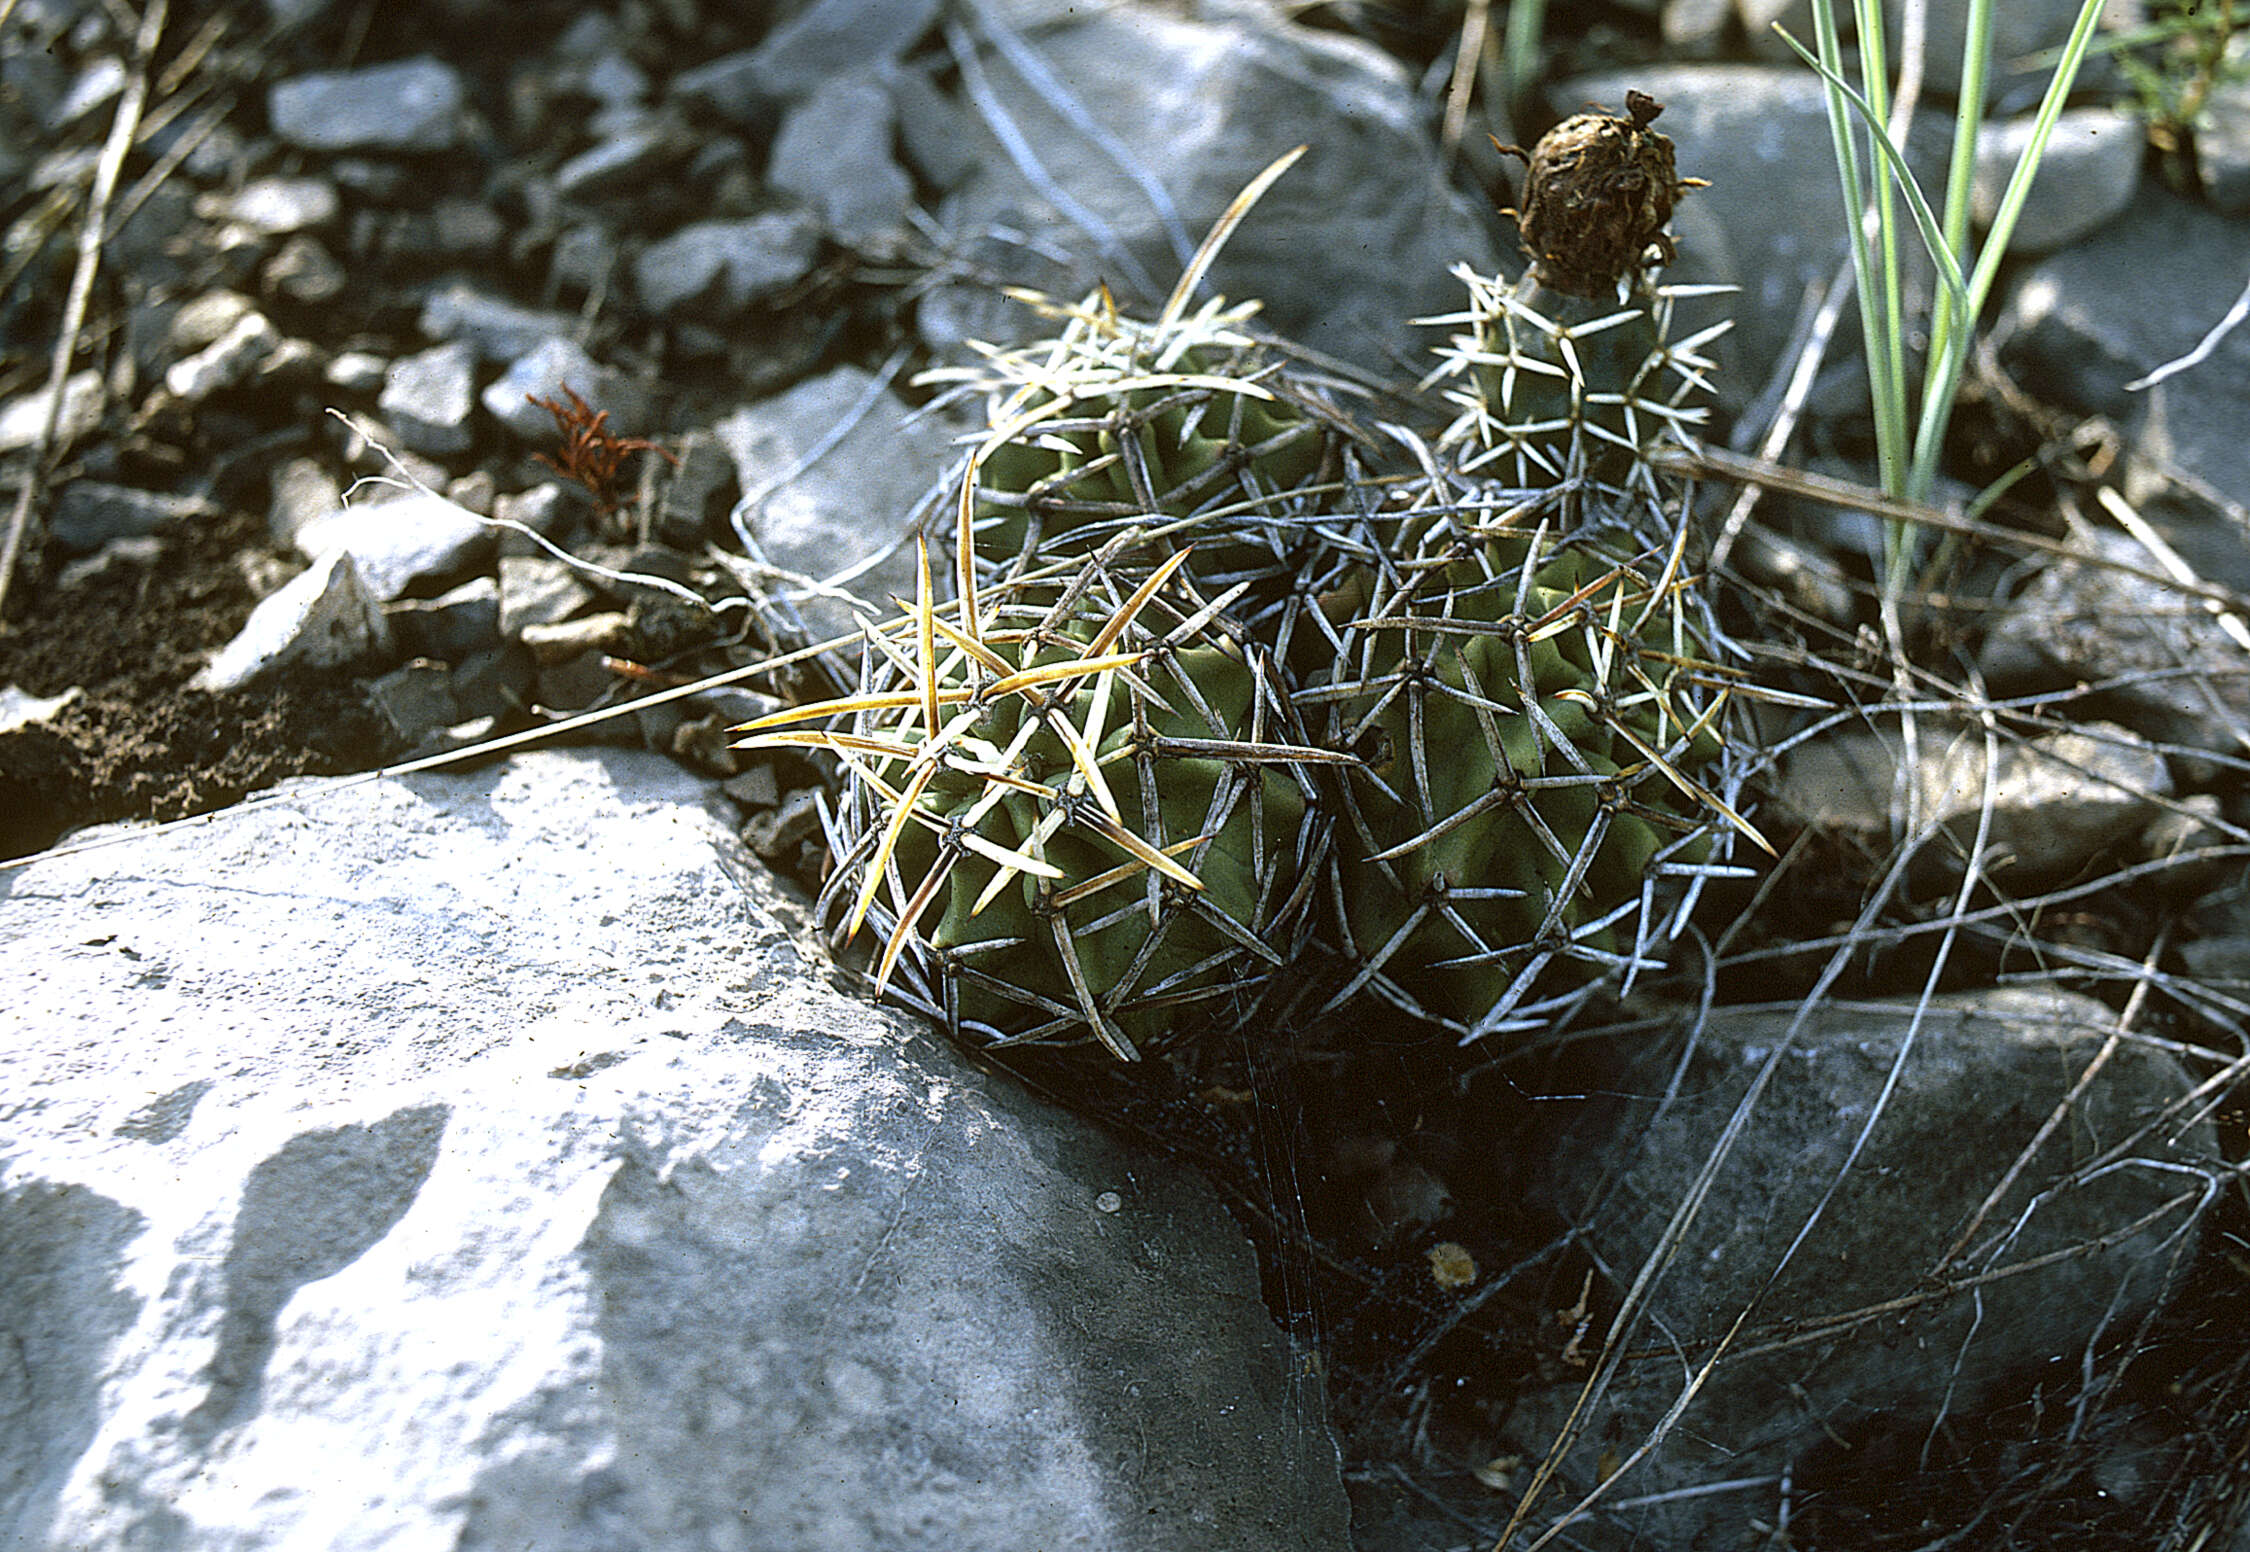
(591,453)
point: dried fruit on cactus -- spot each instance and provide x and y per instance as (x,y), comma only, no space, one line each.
(1070,813)
(1599,191)
(1571,373)
(1545,747)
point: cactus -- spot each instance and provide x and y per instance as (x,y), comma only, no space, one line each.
(1570,375)
(1546,741)
(1083,798)
(1114,421)
(1544,747)
(1072,814)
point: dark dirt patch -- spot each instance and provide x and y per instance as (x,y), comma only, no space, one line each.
(137,742)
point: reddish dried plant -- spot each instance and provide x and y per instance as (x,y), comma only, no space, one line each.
(591,453)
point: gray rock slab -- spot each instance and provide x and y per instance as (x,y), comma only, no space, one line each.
(2087,176)
(428,397)
(1354,241)
(834,154)
(1908,1295)
(2055,800)
(324,617)
(412,105)
(90,513)
(415,539)
(498,329)
(477,1160)
(842,517)
(2149,657)
(718,268)
(2143,291)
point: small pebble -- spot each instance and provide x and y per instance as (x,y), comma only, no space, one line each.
(538,590)
(229,361)
(324,618)
(721,267)
(413,105)
(428,397)
(356,371)
(275,207)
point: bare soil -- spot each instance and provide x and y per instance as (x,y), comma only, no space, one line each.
(137,741)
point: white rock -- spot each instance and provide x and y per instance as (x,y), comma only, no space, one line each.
(843,517)
(323,617)
(226,362)
(419,537)
(475,1160)
(23,417)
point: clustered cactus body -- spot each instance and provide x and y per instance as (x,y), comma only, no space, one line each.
(1217,696)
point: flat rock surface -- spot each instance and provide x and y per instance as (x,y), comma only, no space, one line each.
(1857,1143)
(489,1139)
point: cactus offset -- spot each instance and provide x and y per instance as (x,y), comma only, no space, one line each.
(1544,746)
(1571,372)
(1530,682)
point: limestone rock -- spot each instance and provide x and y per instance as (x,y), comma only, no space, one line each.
(2056,801)
(476,1160)
(1926,1281)
(412,105)
(324,617)
(416,539)
(1172,117)
(840,517)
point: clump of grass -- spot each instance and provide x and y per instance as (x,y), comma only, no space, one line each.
(1867,125)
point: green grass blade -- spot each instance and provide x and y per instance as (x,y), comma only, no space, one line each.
(1925,219)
